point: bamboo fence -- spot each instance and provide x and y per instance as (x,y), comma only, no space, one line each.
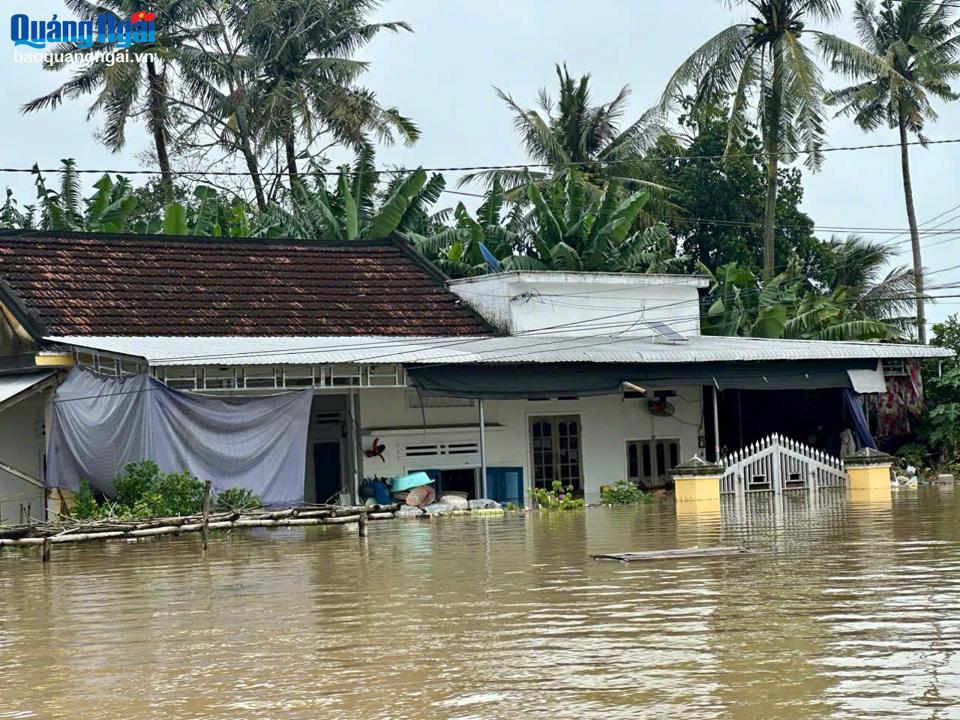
(68,530)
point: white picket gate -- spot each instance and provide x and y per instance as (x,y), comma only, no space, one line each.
(776,464)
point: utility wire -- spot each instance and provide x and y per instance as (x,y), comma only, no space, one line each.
(480,168)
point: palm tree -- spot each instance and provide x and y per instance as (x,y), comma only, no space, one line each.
(572,130)
(764,63)
(852,298)
(125,89)
(874,288)
(916,47)
(302,75)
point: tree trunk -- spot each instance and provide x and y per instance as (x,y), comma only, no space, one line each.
(158,126)
(770,217)
(290,145)
(771,143)
(254,170)
(914,232)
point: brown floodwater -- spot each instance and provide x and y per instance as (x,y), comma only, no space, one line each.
(848,611)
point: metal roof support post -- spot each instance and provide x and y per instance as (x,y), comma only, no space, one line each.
(716,423)
(483,452)
(357,446)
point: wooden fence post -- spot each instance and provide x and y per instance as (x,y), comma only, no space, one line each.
(363,522)
(205,529)
(45,552)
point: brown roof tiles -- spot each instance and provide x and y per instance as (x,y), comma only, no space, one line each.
(88,284)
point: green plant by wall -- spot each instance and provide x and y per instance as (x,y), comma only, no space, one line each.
(236,498)
(136,480)
(624,492)
(144,490)
(557,497)
(178,494)
(84,504)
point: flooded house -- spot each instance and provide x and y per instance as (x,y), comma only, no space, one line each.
(301,368)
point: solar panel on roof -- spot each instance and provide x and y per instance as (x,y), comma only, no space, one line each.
(665,331)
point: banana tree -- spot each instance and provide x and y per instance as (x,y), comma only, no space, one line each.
(575,229)
(787,306)
(739,304)
(459,250)
(208,215)
(357,208)
(107,210)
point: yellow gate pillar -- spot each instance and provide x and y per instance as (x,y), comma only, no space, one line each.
(697,485)
(868,474)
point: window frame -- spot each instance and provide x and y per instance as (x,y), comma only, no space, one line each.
(651,480)
(555,450)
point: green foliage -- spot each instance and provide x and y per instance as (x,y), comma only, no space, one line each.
(624,492)
(567,226)
(909,57)
(208,214)
(731,191)
(937,434)
(770,76)
(357,207)
(914,454)
(108,209)
(135,481)
(176,494)
(910,51)
(853,297)
(236,498)
(557,497)
(143,490)
(13,217)
(84,504)
(941,422)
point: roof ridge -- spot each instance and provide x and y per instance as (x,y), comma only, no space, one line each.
(62,235)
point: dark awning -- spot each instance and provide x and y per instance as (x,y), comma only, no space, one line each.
(562,379)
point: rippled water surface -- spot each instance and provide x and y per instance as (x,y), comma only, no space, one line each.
(849,611)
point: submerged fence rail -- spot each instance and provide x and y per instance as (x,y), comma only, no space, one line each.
(777,464)
(72,531)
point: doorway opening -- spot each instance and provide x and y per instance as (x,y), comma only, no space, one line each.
(328,450)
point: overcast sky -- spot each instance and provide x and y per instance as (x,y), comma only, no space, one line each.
(443,76)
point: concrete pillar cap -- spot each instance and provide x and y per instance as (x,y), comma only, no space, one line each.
(696,466)
(866,457)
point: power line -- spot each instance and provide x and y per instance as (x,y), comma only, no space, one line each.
(481,168)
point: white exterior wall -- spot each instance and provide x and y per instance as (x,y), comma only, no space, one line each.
(606,423)
(22,447)
(584,303)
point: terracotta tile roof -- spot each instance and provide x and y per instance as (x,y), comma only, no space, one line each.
(88,284)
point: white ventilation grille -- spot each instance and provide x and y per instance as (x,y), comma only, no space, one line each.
(432,449)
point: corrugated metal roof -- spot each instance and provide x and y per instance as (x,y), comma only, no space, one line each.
(533,348)
(13,385)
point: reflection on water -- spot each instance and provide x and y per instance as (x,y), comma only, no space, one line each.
(850,611)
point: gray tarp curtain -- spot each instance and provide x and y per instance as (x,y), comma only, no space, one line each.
(861,428)
(99,424)
(507,382)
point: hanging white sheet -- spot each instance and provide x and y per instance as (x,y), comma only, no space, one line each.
(99,424)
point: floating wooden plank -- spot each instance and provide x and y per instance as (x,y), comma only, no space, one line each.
(677,554)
